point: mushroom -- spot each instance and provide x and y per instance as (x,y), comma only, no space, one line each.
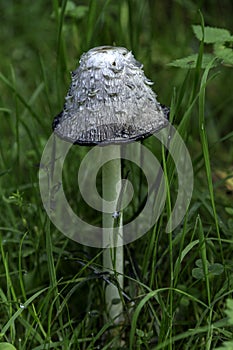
(110,102)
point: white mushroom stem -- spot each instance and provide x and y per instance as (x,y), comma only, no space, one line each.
(113,259)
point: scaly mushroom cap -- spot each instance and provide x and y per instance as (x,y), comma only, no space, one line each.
(109,100)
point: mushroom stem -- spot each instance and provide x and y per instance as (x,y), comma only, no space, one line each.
(113,257)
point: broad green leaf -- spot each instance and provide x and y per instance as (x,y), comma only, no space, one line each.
(226,346)
(229,310)
(213,269)
(198,273)
(6,346)
(212,34)
(199,263)
(216,269)
(140,333)
(229,210)
(190,61)
(74,11)
(224,53)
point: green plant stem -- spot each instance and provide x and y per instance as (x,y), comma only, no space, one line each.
(113,259)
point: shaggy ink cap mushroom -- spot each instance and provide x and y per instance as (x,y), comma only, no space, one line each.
(109,101)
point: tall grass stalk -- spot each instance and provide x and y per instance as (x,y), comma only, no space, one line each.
(170,297)
(205,149)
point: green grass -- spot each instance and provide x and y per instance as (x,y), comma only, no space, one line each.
(179,285)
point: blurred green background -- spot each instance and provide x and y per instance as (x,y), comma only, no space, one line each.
(40,45)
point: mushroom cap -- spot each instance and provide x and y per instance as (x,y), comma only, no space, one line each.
(109,100)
